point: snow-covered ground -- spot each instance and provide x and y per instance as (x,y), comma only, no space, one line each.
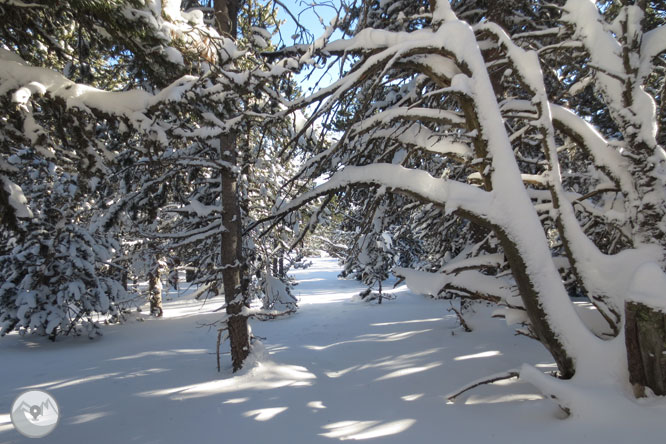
(339,369)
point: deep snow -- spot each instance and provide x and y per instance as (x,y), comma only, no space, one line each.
(338,369)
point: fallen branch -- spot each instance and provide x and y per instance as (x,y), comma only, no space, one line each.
(487,380)
(266,315)
(462,321)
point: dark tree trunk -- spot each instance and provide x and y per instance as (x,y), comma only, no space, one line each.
(155,292)
(173,279)
(537,315)
(528,291)
(226,15)
(189,275)
(232,257)
(379,296)
(645,336)
(278,265)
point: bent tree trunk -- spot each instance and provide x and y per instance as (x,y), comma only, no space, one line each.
(528,290)
(535,311)
(231,253)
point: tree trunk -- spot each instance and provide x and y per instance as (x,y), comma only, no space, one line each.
(232,257)
(155,292)
(528,290)
(536,313)
(379,296)
(645,336)
(226,15)
(189,275)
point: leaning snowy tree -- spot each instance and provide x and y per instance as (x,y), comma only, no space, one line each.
(502,104)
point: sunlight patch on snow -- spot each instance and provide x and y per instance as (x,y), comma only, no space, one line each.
(345,429)
(325,298)
(300,281)
(189,308)
(87,417)
(366,429)
(408,371)
(316,405)
(550,365)
(62,383)
(390,337)
(184,351)
(515,397)
(83,380)
(403,361)
(319,265)
(372,337)
(273,349)
(486,354)
(324,347)
(146,372)
(401,365)
(506,381)
(265,414)
(236,400)
(413,397)
(419,354)
(265,376)
(412,321)
(5,423)
(339,373)
(45,384)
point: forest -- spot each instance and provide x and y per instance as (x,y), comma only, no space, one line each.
(504,158)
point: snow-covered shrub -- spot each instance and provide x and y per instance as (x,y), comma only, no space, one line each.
(58,281)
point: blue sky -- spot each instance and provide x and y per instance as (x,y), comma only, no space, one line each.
(308,14)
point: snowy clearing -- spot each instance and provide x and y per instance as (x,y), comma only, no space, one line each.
(339,369)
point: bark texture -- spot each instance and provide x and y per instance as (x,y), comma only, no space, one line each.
(155,292)
(537,315)
(645,336)
(226,15)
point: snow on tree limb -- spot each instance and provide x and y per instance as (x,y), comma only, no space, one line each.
(468,282)
(622,89)
(129,104)
(604,155)
(653,44)
(418,184)
(409,114)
